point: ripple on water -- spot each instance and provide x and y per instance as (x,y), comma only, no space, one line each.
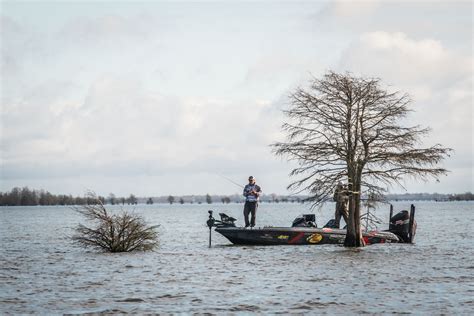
(50,275)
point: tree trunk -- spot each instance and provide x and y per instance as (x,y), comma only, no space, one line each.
(354,231)
(351,234)
(358,230)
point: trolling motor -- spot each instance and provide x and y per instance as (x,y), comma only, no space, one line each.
(225,221)
(210,223)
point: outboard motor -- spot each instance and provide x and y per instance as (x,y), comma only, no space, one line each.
(403,225)
(305,220)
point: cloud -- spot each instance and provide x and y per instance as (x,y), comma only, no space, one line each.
(121,127)
(422,66)
(111,92)
(90,106)
(19,46)
(446,21)
(278,72)
(346,9)
(110,29)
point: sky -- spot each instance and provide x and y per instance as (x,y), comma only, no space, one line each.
(157,98)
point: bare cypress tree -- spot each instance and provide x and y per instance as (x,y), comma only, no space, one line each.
(346,128)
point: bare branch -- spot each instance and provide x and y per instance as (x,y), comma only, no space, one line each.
(345,128)
(113,233)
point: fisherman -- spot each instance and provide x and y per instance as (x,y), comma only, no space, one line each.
(341,198)
(251,192)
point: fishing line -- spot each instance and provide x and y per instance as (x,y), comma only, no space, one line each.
(231,181)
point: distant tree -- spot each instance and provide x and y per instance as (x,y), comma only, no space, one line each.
(468,196)
(44,198)
(149,201)
(112,199)
(15,197)
(225,200)
(208,199)
(102,199)
(181,201)
(90,200)
(28,197)
(345,128)
(79,201)
(62,199)
(122,200)
(171,199)
(132,199)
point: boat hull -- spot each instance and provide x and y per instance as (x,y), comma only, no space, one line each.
(297,236)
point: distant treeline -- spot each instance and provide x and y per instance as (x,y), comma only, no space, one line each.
(27,197)
(468,196)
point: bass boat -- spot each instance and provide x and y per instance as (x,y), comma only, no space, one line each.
(304,231)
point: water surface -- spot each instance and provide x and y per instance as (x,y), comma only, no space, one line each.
(42,272)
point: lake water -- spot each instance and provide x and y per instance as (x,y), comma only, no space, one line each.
(42,272)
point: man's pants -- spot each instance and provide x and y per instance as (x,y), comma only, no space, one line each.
(250,208)
(341,210)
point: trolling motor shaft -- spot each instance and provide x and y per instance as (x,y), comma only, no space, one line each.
(210,223)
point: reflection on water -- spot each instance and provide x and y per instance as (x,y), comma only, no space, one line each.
(42,272)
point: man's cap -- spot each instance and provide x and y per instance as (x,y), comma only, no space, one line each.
(251,178)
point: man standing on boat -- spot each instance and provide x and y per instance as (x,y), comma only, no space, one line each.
(342,199)
(251,192)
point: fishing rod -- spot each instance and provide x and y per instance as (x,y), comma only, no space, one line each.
(231,181)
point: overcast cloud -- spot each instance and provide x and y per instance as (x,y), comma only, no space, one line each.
(163,98)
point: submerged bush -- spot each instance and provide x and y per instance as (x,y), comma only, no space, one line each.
(114,232)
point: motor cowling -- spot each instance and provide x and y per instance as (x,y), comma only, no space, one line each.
(400,225)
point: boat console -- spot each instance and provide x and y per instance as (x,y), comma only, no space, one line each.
(305,220)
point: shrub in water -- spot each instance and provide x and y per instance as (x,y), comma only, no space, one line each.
(114,232)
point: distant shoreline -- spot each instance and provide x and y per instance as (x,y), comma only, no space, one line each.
(28,197)
(219,203)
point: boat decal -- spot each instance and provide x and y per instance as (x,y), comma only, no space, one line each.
(283,237)
(314,238)
(339,238)
(296,238)
(266,236)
